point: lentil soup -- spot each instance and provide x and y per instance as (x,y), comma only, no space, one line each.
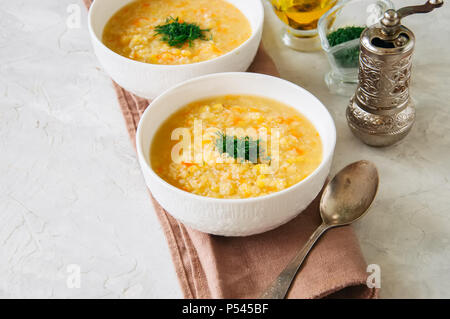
(133,31)
(222,174)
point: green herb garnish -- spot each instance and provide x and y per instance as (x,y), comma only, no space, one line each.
(177,33)
(244,148)
(344,34)
(346,57)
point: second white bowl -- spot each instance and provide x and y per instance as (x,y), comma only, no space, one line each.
(149,80)
(235,217)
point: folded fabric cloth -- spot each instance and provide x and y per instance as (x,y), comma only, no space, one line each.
(211,266)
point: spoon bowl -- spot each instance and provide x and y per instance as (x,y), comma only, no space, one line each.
(345,199)
(349,194)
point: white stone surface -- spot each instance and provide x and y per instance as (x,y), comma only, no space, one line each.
(71,191)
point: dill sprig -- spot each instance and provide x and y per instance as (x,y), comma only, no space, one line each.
(244,148)
(177,33)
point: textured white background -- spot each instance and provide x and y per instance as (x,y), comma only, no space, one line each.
(71,191)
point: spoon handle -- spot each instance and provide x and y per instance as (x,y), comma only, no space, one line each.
(280,286)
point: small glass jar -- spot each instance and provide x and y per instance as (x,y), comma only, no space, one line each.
(344,57)
(304,16)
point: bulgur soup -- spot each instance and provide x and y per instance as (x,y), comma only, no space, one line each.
(235,146)
(175,32)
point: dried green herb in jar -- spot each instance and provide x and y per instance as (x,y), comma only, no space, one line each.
(347,57)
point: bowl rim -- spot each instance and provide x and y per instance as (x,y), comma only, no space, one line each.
(255,34)
(147,166)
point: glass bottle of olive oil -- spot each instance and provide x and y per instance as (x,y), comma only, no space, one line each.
(301,14)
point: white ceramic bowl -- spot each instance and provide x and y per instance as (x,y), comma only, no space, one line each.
(149,80)
(235,217)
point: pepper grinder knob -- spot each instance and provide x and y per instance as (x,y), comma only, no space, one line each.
(390,19)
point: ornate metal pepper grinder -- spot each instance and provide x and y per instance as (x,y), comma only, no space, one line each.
(381,112)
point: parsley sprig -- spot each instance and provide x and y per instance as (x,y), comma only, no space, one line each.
(177,33)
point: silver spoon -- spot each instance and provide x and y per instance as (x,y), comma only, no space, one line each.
(345,199)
